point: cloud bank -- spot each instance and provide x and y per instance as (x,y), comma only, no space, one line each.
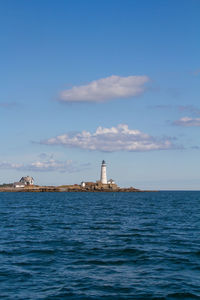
(187,122)
(112,87)
(189,109)
(119,138)
(50,165)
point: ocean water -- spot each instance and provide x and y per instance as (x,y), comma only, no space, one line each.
(100,245)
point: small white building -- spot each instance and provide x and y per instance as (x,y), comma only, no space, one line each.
(18,185)
(83,184)
(27,180)
(111,181)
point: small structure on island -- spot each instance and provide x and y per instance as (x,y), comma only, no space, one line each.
(100,185)
(24,181)
(27,180)
(103,178)
(83,184)
(111,181)
(18,185)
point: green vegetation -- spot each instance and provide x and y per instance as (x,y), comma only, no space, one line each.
(6,185)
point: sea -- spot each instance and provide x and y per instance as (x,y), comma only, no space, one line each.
(100,245)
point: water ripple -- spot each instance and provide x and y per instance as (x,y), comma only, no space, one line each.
(100,245)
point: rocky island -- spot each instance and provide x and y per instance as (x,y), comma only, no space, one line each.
(26,184)
(66,188)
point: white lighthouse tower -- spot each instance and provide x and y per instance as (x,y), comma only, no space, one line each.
(103,178)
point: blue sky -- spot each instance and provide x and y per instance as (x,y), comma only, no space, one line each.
(83,81)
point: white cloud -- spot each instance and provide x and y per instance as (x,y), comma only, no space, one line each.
(6,165)
(52,165)
(112,87)
(111,139)
(187,122)
(45,166)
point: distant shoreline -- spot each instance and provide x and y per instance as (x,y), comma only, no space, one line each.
(70,190)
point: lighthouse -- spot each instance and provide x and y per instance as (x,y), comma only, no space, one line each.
(103,178)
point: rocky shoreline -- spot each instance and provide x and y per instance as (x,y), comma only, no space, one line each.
(69,189)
